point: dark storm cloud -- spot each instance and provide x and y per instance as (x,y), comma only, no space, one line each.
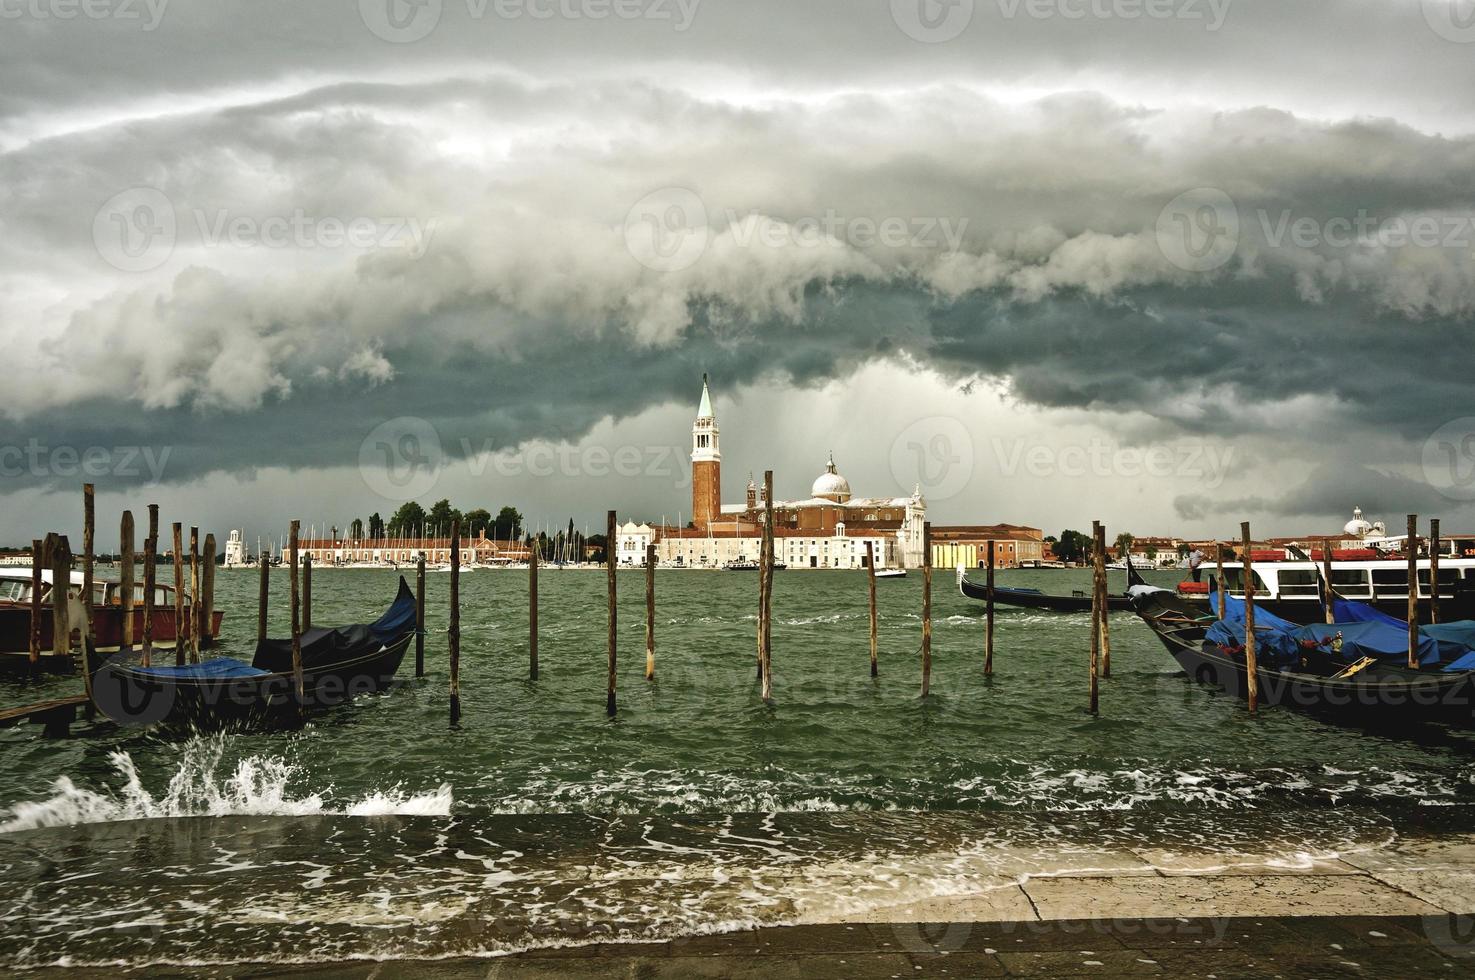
(1033,167)
(1329,488)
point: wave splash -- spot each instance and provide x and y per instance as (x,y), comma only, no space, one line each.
(258,786)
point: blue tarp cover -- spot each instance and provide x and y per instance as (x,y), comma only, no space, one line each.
(1279,643)
(218,667)
(1456,640)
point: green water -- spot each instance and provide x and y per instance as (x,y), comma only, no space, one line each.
(539,819)
(699,737)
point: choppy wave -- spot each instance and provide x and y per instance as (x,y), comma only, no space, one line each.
(1012,786)
(259,785)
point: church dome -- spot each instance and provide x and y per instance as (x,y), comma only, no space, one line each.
(831,485)
(1357,527)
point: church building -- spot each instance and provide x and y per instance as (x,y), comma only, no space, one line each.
(828,529)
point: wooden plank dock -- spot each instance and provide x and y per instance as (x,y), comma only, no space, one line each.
(57,714)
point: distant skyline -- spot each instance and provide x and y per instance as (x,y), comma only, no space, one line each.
(1171,265)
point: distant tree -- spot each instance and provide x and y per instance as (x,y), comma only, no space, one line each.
(356,528)
(376,526)
(1072,546)
(507,522)
(1124,544)
(477,521)
(1182,549)
(408,520)
(597,542)
(440,515)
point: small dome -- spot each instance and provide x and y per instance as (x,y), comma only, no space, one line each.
(831,484)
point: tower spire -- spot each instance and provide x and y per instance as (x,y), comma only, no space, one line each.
(706,463)
(704,410)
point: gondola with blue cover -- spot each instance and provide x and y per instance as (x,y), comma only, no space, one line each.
(1356,668)
(338,664)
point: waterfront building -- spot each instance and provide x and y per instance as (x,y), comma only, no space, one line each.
(631,540)
(479,550)
(235,551)
(967,545)
(827,529)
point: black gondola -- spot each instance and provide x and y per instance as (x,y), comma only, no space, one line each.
(1383,691)
(337,665)
(1078,602)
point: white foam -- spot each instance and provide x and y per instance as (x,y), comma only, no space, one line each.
(259,786)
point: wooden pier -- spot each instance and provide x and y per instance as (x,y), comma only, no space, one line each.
(56,715)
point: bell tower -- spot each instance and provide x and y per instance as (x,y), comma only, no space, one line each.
(706,464)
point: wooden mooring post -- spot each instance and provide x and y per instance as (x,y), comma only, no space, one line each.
(926,608)
(150,583)
(765,626)
(179,622)
(1223,583)
(1434,547)
(125,576)
(207,592)
(871,600)
(1326,573)
(533,613)
(762,594)
(307,592)
(988,614)
(650,612)
(295,599)
(89,540)
(1411,545)
(61,614)
(194,595)
(453,634)
(38,558)
(613,638)
(420,615)
(1252,676)
(1106,606)
(263,595)
(59,562)
(1098,561)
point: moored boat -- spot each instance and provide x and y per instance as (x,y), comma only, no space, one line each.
(1292,589)
(337,665)
(1354,670)
(1078,601)
(107,619)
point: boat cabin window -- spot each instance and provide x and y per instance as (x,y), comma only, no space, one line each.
(1352,583)
(14,590)
(1390,581)
(1299,582)
(1446,585)
(1234,582)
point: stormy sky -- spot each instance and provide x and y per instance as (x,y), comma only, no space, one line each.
(1169,263)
